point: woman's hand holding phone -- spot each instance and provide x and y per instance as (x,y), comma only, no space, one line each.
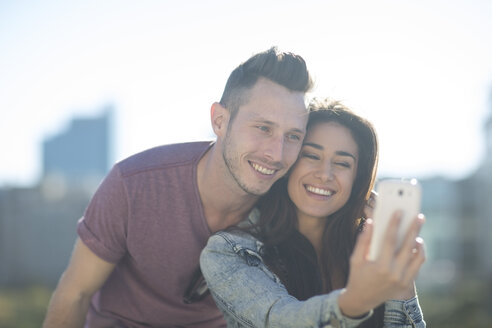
(390,275)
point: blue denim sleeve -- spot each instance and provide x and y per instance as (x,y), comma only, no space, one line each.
(403,314)
(250,295)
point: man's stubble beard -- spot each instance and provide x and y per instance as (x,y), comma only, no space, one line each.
(232,162)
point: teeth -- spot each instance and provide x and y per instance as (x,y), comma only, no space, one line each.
(262,170)
(319,191)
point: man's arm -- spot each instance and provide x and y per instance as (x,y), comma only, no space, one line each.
(85,274)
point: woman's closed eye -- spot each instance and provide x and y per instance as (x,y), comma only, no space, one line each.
(343,164)
(310,155)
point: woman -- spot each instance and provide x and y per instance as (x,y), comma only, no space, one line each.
(301,263)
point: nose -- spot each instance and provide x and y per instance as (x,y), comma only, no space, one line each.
(325,172)
(274,150)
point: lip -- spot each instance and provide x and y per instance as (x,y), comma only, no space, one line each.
(268,173)
(317,195)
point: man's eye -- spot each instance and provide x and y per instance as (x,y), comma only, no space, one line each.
(263,128)
(293,137)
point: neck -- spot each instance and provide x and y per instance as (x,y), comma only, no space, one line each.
(225,204)
(312,228)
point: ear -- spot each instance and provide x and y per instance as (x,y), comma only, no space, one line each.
(220,119)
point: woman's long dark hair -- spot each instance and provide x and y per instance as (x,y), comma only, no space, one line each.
(287,252)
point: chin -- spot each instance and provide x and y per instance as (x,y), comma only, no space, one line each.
(319,214)
(256,190)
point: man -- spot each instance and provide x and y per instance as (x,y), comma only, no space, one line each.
(143,231)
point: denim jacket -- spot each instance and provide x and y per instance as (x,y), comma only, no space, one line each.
(250,295)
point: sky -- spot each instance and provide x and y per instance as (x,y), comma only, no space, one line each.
(421,71)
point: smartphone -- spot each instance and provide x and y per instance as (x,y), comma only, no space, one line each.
(394,195)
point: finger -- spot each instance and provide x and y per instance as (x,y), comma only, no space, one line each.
(418,258)
(368,211)
(363,241)
(390,238)
(413,232)
(405,252)
(370,203)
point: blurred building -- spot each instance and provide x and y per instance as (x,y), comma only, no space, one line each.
(81,152)
(38,224)
(459,224)
(477,195)
(37,233)
(441,205)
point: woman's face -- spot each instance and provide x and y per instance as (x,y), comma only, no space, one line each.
(321,181)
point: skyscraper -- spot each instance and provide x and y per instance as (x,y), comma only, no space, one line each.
(81,152)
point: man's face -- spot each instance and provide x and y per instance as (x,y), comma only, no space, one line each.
(265,136)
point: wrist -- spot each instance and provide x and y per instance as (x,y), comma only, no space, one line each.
(351,306)
(407,294)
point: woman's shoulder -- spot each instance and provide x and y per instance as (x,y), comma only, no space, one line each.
(241,234)
(234,238)
(227,250)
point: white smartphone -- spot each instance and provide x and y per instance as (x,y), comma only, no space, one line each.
(394,195)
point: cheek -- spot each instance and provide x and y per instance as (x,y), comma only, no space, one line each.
(293,184)
(290,187)
(348,182)
(248,143)
(348,193)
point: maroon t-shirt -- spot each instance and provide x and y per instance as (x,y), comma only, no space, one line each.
(147,217)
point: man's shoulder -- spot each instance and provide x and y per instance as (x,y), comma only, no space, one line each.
(164,156)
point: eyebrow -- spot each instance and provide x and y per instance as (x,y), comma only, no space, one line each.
(338,152)
(268,122)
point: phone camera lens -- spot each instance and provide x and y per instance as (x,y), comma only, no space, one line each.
(400,192)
